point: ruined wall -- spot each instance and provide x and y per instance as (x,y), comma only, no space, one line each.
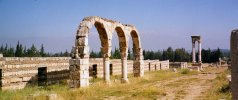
(115,66)
(19,72)
(178,64)
(151,65)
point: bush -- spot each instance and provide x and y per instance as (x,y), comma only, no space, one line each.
(185,71)
(224,88)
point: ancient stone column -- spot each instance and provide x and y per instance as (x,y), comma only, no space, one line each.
(79,69)
(234,64)
(220,61)
(193,52)
(106,66)
(138,63)
(124,67)
(199,51)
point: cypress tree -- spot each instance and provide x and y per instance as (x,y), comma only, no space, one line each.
(42,51)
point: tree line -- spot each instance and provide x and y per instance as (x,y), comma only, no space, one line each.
(22,51)
(182,55)
(177,55)
(115,54)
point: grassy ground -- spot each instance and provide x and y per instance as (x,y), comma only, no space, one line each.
(220,88)
(137,88)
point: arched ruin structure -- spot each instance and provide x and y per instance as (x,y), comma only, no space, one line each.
(79,64)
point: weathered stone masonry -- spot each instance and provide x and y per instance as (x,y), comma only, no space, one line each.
(79,74)
(234,64)
(199,63)
(19,72)
(116,69)
(16,73)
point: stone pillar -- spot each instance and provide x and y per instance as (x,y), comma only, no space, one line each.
(193,52)
(234,64)
(106,65)
(124,70)
(219,61)
(199,51)
(138,63)
(79,74)
(79,64)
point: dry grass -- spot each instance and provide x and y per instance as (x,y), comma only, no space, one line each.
(220,88)
(98,89)
(137,88)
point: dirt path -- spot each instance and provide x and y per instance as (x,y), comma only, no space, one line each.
(188,87)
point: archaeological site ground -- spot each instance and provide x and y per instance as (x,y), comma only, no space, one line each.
(118,50)
(82,77)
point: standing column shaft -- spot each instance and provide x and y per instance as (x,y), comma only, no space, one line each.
(199,52)
(124,69)
(234,64)
(193,52)
(106,67)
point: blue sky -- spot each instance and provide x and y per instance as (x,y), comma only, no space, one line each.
(161,23)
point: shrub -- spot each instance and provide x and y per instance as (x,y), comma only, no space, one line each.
(185,71)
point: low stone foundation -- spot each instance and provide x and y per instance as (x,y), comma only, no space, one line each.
(18,72)
(178,64)
(150,65)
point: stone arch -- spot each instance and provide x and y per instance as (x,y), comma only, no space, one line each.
(135,39)
(81,44)
(138,63)
(123,45)
(122,39)
(79,64)
(102,34)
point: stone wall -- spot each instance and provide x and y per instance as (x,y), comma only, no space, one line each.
(115,66)
(178,64)
(151,65)
(17,72)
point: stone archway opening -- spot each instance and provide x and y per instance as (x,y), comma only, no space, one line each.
(123,45)
(79,64)
(138,63)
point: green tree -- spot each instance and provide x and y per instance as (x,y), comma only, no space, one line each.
(93,54)
(42,51)
(116,54)
(180,55)
(19,50)
(25,52)
(32,52)
(165,55)
(217,55)
(66,53)
(129,54)
(206,56)
(158,55)
(170,54)
(10,52)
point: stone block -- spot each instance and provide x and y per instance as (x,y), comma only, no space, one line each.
(83,50)
(82,41)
